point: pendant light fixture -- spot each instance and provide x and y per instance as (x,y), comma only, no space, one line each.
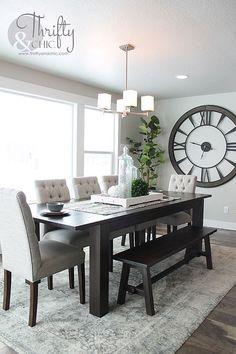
(129,99)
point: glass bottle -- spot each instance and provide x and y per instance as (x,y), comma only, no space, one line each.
(126,171)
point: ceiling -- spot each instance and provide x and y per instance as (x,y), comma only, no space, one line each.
(194,37)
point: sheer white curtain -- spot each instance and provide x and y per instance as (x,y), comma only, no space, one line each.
(35,140)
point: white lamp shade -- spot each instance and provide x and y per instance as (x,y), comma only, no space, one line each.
(120,106)
(147,103)
(130,98)
(104,101)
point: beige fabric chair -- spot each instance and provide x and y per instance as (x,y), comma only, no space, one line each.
(184,184)
(35,260)
(51,190)
(84,187)
(57,190)
(108,181)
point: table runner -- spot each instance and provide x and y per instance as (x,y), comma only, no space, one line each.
(108,209)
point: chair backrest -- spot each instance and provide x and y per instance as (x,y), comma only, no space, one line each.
(20,248)
(84,187)
(51,190)
(182,183)
(108,181)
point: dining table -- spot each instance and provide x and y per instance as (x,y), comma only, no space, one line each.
(103,228)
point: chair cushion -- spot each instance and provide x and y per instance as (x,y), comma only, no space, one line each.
(57,256)
(78,238)
(175,219)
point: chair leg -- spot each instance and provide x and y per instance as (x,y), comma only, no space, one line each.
(50,282)
(154,232)
(174,228)
(208,252)
(33,303)
(149,230)
(147,286)
(123,283)
(123,240)
(81,273)
(7,290)
(71,278)
(131,239)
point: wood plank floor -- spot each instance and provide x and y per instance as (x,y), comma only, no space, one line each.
(217,333)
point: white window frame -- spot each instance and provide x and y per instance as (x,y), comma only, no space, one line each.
(116,141)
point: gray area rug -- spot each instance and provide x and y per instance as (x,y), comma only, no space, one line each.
(182,301)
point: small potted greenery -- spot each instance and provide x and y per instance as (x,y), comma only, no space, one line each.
(139,187)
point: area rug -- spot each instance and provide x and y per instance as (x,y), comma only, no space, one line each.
(64,326)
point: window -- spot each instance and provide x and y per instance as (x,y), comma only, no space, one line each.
(100,142)
(35,140)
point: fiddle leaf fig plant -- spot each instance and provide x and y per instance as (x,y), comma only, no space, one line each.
(148,153)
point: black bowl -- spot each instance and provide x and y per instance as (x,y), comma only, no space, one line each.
(55,207)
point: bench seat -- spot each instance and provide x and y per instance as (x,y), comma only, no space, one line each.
(148,254)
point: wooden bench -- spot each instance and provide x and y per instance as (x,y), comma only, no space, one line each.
(148,254)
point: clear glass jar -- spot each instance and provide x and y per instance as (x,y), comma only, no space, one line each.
(126,173)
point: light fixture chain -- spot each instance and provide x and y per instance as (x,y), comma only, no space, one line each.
(126,70)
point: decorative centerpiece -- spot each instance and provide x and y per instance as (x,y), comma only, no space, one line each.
(130,189)
(127,172)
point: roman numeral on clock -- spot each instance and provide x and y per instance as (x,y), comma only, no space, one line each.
(205,177)
(179,146)
(205,118)
(231,146)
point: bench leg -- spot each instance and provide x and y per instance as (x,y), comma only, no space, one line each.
(168,229)
(147,286)
(123,283)
(208,252)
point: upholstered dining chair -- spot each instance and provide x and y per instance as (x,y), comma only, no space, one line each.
(84,187)
(27,257)
(54,190)
(108,181)
(183,184)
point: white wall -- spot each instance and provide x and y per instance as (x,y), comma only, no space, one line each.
(169,111)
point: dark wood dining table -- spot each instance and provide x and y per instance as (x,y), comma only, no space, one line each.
(104,227)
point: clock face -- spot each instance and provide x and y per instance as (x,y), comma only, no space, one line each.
(203,143)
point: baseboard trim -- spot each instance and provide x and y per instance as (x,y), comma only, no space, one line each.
(220,224)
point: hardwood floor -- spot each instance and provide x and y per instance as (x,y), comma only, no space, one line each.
(217,333)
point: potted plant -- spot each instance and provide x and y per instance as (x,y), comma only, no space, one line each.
(149,153)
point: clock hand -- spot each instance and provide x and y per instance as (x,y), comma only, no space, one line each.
(192,142)
(208,148)
(202,154)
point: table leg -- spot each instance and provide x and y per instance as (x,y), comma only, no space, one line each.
(197,220)
(197,214)
(99,270)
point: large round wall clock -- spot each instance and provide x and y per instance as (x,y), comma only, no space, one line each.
(203,143)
